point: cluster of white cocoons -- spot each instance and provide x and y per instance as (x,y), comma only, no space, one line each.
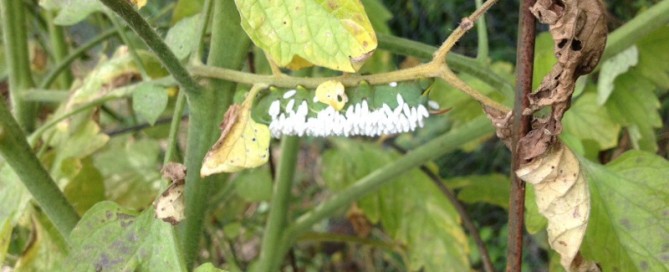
(357,119)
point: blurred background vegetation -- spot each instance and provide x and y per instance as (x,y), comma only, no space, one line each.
(238,209)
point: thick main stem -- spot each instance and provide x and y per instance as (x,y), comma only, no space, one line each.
(18,61)
(19,156)
(270,254)
(521,125)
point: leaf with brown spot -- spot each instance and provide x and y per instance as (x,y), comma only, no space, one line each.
(111,238)
(243,143)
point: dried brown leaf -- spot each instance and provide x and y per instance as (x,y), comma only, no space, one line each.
(563,198)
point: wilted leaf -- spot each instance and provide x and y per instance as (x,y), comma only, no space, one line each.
(611,69)
(150,101)
(562,197)
(139,3)
(587,120)
(412,210)
(111,238)
(333,34)
(170,204)
(182,37)
(629,221)
(254,184)
(243,143)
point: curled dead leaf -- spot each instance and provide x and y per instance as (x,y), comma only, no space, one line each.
(563,198)
(170,206)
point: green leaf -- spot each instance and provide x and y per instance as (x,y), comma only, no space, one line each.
(634,105)
(46,250)
(186,8)
(86,188)
(14,197)
(629,219)
(587,120)
(150,101)
(492,189)
(333,34)
(654,57)
(611,69)
(208,267)
(182,37)
(112,238)
(123,164)
(5,237)
(544,58)
(412,209)
(72,11)
(254,184)
(534,221)
(3,62)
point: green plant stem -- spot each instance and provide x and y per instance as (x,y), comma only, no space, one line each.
(270,256)
(437,147)
(114,94)
(131,46)
(456,61)
(229,46)
(64,64)
(172,139)
(18,61)
(637,28)
(49,96)
(126,11)
(19,156)
(482,33)
(60,49)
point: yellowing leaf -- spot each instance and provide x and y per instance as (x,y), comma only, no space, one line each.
(563,198)
(139,3)
(331,92)
(331,33)
(243,143)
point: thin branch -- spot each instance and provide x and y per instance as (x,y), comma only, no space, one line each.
(126,11)
(65,63)
(382,176)
(521,125)
(270,255)
(465,25)
(466,220)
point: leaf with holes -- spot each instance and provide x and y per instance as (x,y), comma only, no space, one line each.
(331,33)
